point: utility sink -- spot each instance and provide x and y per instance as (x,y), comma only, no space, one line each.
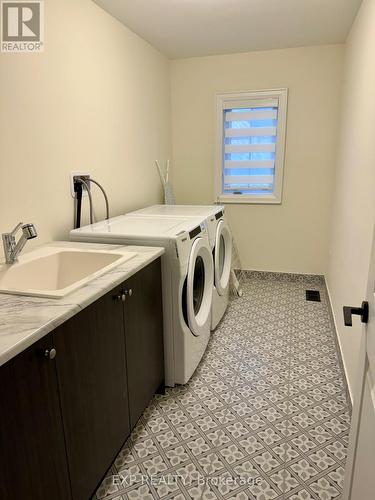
(56,271)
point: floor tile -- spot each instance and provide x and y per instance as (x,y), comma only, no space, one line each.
(265,416)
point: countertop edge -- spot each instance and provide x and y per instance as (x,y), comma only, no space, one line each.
(75,302)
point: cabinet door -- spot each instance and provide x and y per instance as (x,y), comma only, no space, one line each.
(32,451)
(91,367)
(144,337)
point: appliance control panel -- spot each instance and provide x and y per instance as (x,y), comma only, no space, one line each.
(184,241)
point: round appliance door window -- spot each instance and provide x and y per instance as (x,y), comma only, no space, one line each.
(199,286)
(223,257)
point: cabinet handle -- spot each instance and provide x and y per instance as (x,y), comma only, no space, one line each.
(50,353)
(121,296)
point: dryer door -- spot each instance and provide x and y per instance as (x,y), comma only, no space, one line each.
(223,257)
(200,280)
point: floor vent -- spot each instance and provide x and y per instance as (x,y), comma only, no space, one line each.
(313,295)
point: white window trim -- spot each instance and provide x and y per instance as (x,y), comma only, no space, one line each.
(222,101)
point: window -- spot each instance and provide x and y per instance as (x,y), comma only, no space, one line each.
(250,146)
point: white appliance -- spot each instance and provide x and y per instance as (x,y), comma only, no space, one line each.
(220,241)
(187,273)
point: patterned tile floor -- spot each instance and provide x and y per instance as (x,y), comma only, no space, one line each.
(264,417)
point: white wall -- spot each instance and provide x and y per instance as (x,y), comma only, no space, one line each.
(354,205)
(293,236)
(98,98)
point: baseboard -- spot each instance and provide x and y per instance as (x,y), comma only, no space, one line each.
(281,276)
(338,344)
(290,273)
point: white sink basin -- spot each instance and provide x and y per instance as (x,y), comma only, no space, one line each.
(56,271)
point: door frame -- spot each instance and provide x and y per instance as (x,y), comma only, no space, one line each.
(356,419)
(360,386)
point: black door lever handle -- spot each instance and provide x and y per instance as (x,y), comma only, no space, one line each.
(360,311)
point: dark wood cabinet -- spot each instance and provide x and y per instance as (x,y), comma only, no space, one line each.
(144,337)
(93,390)
(64,418)
(32,449)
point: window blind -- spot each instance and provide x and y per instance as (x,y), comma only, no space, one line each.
(249,147)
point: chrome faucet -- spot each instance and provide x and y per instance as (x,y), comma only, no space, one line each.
(13,249)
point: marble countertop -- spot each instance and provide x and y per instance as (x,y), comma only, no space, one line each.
(24,320)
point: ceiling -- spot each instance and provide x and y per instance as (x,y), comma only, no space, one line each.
(187,28)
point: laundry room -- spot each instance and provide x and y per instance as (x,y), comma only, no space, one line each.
(187,279)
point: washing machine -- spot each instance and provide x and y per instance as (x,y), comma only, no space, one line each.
(221,245)
(187,281)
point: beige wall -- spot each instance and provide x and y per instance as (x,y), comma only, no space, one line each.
(292,237)
(65,110)
(97,99)
(354,201)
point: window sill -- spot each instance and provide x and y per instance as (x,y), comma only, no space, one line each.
(243,199)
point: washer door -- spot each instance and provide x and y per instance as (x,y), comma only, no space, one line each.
(223,257)
(200,280)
